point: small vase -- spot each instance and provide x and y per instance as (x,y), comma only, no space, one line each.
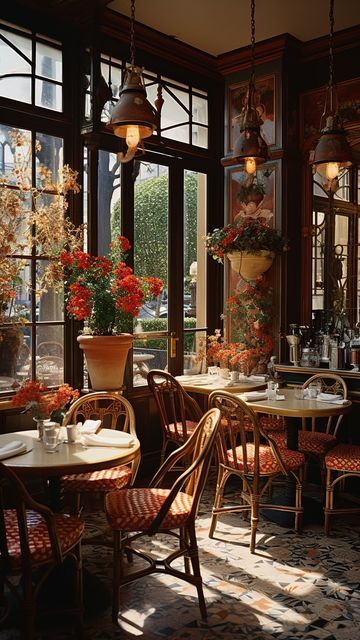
(234,376)
(40,423)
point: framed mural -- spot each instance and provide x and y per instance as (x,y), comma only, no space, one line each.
(264,98)
(258,200)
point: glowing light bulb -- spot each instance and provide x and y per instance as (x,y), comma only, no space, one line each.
(132,136)
(250,165)
(332,170)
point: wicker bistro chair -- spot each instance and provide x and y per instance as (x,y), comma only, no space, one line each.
(341,462)
(133,513)
(241,453)
(179,413)
(115,412)
(33,542)
(314,442)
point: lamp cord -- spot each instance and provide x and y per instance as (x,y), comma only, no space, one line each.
(331,52)
(252,74)
(132,30)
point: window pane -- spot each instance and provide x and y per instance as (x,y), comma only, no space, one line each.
(48,95)
(194,268)
(48,62)
(151,259)
(49,303)
(182,133)
(15,153)
(173,112)
(199,110)
(14,356)
(16,89)
(109,203)
(49,156)
(11,60)
(200,136)
(115,77)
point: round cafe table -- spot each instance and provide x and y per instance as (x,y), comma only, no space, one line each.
(292,407)
(69,458)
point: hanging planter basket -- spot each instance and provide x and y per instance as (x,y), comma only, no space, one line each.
(251,265)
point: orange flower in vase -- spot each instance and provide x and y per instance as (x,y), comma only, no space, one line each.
(44,404)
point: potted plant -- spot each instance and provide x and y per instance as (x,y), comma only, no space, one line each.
(250,243)
(104,292)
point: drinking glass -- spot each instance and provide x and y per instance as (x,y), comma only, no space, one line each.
(314,389)
(71,430)
(272,388)
(51,437)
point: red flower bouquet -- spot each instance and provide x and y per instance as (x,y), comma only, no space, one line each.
(104,291)
(246,234)
(43,403)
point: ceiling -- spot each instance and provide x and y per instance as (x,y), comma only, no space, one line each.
(218,26)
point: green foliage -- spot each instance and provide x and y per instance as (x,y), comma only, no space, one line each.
(161,324)
(151,225)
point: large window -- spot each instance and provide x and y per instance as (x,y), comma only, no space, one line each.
(32,323)
(184,114)
(30,68)
(336,254)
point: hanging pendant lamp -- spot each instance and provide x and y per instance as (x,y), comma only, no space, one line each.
(250,147)
(332,152)
(133,117)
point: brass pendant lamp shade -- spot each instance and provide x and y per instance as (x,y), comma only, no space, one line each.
(250,147)
(133,117)
(332,152)
(133,108)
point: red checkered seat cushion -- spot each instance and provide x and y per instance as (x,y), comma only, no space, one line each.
(135,509)
(69,530)
(344,457)
(267,461)
(272,423)
(103,480)
(178,434)
(268,423)
(309,441)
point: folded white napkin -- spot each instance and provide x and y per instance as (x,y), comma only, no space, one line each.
(251,396)
(117,439)
(90,426)
(12,448)
(333,400)
(328,397)
(279,397)
(257,378)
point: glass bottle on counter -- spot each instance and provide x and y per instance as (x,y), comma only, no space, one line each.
(310,356)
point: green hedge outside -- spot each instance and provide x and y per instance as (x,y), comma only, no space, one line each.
(161,324)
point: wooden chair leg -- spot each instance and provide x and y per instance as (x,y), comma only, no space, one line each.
(254,519)
(219,497)
(194,554)
(329,502)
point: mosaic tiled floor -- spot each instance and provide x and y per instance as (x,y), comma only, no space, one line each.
(295,587)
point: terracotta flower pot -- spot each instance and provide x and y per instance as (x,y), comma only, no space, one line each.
(251,265)
(106,359)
